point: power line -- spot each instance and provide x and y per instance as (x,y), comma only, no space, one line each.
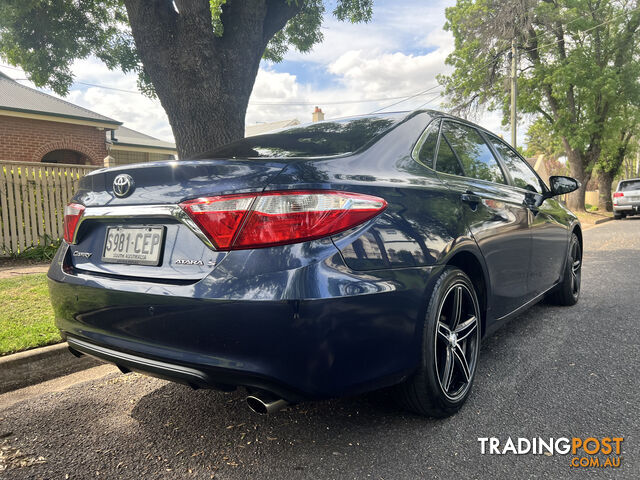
(428,101)
(340,102)
(409,97)
(261,104)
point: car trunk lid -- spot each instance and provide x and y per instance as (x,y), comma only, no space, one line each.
(160,243)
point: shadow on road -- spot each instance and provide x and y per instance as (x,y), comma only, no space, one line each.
(219,429)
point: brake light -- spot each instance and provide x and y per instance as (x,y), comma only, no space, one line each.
(618,194)
(72,214)
(235,222)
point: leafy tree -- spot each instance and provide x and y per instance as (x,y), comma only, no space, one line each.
(624,126)
(200,57)
(577,60)
(541,140)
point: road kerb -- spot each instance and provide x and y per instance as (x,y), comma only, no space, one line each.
(22,369)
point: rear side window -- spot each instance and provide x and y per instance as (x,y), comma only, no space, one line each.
(427,144)
(447,162)
(632,185)
(473,152)
(521,173)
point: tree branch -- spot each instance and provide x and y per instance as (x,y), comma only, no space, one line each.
(279,13)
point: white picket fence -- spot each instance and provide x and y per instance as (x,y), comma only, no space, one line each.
(32,200)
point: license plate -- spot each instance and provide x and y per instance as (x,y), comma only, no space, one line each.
(133,245)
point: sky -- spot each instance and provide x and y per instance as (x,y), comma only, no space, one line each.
(399,53)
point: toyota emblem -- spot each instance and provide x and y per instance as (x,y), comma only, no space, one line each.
(123,185)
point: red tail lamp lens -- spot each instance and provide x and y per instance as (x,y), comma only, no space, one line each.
(237,222)
(72,214)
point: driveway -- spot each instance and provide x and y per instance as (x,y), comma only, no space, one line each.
(552,372)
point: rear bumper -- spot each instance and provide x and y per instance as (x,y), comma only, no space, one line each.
(194,376)
(308,340)
(635,207)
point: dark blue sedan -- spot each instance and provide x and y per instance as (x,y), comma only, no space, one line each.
(322,260)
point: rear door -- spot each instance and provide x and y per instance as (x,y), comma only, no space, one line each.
(549,234)
(495,214)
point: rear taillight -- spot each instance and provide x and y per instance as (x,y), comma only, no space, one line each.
(618,194)
(235,222)
(72,214)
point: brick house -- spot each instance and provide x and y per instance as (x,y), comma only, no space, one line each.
(36,127)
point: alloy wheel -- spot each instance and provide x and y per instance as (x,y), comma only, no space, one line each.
(457,341)
(576,268)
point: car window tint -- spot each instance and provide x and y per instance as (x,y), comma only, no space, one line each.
(475,155)
(521,173)
(429,141)
(447,161)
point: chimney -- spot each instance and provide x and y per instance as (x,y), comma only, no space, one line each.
(318,115)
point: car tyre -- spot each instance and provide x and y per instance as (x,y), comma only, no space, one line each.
(617,216)
(567,293)
(450,349)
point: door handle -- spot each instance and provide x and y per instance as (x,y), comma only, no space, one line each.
(471,198)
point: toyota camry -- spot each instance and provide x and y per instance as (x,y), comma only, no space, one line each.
(317,261)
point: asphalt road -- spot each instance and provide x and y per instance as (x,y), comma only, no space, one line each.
(552,372)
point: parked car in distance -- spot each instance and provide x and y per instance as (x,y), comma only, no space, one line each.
(626,198)
(321,260)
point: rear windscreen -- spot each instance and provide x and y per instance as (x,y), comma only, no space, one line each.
(633,185)
(320,139)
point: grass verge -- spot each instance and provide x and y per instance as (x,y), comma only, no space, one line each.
(26,317)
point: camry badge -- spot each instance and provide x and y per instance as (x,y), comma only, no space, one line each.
(123,185)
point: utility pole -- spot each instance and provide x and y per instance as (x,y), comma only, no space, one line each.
(514,90)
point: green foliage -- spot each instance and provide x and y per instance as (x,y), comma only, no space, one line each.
(302,32)
(578,68)
(216,10)
(26,319)
(623,124)
(590,208)
(43,252)
(541,140)
(45,37)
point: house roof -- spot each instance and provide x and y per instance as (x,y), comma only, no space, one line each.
(261,128)
(126,137)
(15,97)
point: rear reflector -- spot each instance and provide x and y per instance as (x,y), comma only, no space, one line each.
(72,214)
(235,222)
(618,194)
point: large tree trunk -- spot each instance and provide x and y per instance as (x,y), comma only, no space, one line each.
(204,81)
(575,200)
(605,203)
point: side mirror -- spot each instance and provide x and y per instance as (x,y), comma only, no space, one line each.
(561,185)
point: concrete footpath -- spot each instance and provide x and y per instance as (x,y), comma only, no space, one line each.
(17,270)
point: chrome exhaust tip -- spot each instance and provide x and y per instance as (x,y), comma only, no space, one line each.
(264,403)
